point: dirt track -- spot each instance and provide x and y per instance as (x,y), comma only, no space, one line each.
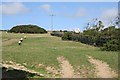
(66,68)
(102,69)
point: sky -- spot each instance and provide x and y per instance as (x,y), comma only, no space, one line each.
(67,15)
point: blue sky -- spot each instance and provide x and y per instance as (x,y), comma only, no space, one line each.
(68,15)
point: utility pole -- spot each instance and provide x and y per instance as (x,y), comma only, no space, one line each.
(52,15)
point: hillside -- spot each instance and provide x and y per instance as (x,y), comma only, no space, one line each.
(48,55)
(27,29)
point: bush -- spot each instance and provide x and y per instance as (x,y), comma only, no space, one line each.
(111,45)
(87,39)
(67,36)
(27,29)
(107,38)
(75,37)
(100,41)
(57,33)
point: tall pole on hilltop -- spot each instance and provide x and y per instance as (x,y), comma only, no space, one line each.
(52,15)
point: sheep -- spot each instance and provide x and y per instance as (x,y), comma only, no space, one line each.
(19,42)
(94,44)
(24,37)
(21,39)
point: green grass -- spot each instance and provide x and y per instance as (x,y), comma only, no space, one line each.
(45,50)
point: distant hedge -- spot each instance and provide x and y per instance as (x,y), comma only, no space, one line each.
(57,33)
(107,39)
(27,29)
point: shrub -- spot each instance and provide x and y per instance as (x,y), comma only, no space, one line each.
(67,36)
(57,33)
(27,29)
(111,45)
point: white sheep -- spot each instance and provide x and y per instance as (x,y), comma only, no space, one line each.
(24,37)
(19,42)
(21,39)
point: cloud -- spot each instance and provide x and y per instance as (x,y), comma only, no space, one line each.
(46,7)
(108,16)
(13,8)
(79,13)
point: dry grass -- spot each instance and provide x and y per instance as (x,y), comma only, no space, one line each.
(9,42)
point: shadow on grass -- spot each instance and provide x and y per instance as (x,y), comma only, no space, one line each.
(14,74)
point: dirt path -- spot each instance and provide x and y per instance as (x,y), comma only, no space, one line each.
(67,70)
(102,69)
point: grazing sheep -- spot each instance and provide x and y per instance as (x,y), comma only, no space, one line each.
(19,42)
(21,39)
(24,37)
(94,44)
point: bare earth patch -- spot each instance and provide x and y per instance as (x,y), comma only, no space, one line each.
(102,69)
(67,70)
(9,42)
(53,71)
(39,35)
(13,65)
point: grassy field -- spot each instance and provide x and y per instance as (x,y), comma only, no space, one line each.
(44,49)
